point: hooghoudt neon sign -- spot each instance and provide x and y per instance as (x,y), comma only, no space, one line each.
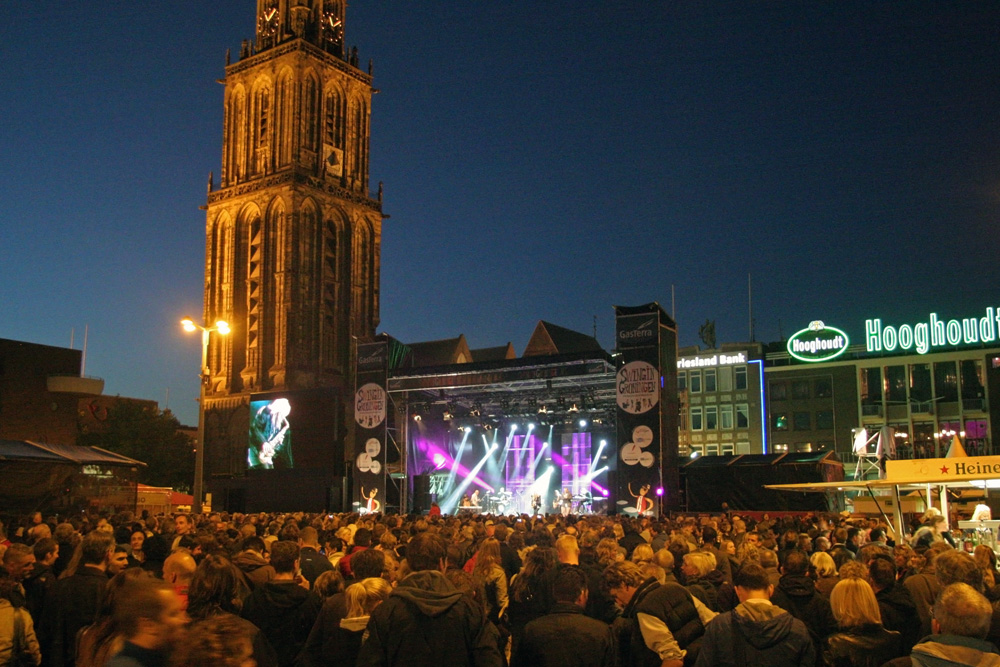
(923,336)
(817,342)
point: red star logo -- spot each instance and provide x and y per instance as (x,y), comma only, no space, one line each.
(944,470)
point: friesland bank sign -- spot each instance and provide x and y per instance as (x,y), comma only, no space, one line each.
(922,337)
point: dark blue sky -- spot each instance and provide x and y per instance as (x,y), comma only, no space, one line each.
(541,160)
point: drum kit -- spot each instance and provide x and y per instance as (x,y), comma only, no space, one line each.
(501,502)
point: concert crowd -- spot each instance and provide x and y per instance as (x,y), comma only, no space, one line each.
(578,590)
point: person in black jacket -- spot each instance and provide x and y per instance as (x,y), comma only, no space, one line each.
(894,601)
(661,624)
(796,593)
(565,637)
(426,620)
(311,561)
(284,608)
(72,603)
(756,632)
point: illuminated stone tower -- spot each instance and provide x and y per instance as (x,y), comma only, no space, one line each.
(292,236)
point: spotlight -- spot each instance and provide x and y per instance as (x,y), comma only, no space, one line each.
(417,418)
(447,416)
(513,427)
(659,490)
(531,425)
(604,443)
(583,423)
(468,429)
(694,454)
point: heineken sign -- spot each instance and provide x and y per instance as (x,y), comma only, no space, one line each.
(818,342)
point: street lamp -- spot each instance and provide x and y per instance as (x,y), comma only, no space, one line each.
(221,327)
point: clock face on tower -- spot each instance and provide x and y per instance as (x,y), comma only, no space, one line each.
(333,27)
(268,21)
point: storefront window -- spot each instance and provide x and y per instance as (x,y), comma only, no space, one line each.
(871,386)
(800,389)
(740,373)
(725,379)
(895,384)
(803,421)
(824,388)
(920,383)
(696,423)
(726,417)
(946,381)
(710,380)
(972,379)
(711,417)
(742,415)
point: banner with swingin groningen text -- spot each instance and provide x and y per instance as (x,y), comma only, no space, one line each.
(371,405)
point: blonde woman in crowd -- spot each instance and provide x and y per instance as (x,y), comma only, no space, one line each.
(861,640)
(826,572)
(488,566)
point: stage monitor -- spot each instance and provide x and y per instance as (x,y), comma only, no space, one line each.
(293,430)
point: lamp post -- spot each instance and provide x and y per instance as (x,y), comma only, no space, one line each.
(222,327)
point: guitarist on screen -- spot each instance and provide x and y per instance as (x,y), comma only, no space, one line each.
(270,438)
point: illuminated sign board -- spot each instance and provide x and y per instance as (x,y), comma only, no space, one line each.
(922,336)
(817,342)
(714,360)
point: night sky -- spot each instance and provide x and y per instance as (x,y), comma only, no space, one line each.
(541,160)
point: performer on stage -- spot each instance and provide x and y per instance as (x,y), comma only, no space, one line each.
(465,501)
(475,498)
(536,503)
(566,502)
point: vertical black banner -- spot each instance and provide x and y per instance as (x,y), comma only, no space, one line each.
(637,391)
(370,411)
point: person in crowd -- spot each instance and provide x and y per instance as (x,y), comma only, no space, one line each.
(328,584)
(218,641)
(986,559)
(894,601)
(252,561)
(960,622)
(702,578)
(756,631)
(119,560)
(136,557)
(825,570)
(18,642)
(313,563)
(74,601)
(924,586)
(218,588)
(566,636)
(529,597)
(37,584)
(362,542)
(98,642)
(284,608)
(659,621)
(495,579)
(931,530)
(151,618)
(861,639)
(183,527)
(177,571)
(362,598)
(18,563)
(426,620)
(796,593)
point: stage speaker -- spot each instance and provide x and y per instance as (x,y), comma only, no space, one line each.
(421,494)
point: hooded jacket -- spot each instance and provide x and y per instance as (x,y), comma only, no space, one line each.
(285,612)
(258,570)
(427,621)
(761,633)
(797,594)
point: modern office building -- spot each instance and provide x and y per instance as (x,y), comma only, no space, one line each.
(721,400)
(928,381)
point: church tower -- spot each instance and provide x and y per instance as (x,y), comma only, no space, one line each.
(292,235)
